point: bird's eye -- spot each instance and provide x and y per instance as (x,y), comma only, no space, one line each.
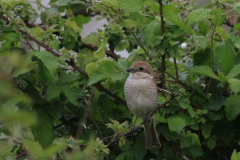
(141,68)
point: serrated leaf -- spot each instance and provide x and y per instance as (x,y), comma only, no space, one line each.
(178,122)
(174,18)
(129,23)
(198,14)
(72,93)
(207,129)
(149,31)
(90,68)
(139,150)
(11,36)
(100,53)
(131,5)
(19,71)
(234,71)
(43,132)
(196,151)
(202,41)
(224,54)
(232,106)
(204,70)
(203,27)
(215,104)
(53,91)
(234,85)
(108,69)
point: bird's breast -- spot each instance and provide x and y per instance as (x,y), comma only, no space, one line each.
(141,96)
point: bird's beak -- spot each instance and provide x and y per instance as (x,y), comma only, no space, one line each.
(131,70)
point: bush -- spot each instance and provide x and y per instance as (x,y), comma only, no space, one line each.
(61,97)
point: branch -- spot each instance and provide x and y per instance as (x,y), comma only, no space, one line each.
(196,87)
(108,53)
(162,34)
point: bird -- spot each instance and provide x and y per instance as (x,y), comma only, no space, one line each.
(141,94)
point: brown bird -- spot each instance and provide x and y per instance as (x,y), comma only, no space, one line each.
(141,96)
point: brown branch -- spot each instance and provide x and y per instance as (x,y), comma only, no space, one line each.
(108,53)
(71,63)
(162,34)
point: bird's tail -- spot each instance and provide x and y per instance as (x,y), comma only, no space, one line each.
(151,136)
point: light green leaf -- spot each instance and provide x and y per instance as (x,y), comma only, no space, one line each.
(174,18)
(202,41)
(131,5)
(232,106)
(108,69)
(204,70)
(90,67)
(129,23)
(100,53)
(234,71)
(221,77)
(12,36)
(178,122)
(149,32)
(53,91)
(234,85)
(19,71)
(225,55)
(198,14)
(235,154)
(203,27)
(68,79)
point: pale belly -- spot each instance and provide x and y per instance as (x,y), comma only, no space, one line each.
(141,96)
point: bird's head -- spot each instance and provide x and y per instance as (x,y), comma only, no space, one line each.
(141,69)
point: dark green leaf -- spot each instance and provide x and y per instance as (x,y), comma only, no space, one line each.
(232,106)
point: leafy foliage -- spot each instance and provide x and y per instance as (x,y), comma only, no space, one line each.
(62,96)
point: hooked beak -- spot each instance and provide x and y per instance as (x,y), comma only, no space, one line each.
(131,70)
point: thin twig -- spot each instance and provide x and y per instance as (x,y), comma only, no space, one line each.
(214,27)
(196,87)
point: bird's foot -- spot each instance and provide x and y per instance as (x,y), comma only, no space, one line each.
(135,129)
(148,118)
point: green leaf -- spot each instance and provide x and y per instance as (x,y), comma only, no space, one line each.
(224,54)
(211,143)
(108,69)
(189,139)
(53,91)
(149,32)
(215,104)
(232,106)
(196,151)
(72,93)
(178,121)
(43,132)
(207,129)
(171,8)
(174,18)
(81,19)
(235,154)
(234,85)
(234,71)
(198,15)
(20,71)
(204,70)
(202,57)
(129,23)
(203,27)
(68,79)
(202,41)
(11,36)
(139,149)
(131,5)
(48,59)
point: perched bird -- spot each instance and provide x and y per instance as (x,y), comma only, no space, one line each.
(141,94)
